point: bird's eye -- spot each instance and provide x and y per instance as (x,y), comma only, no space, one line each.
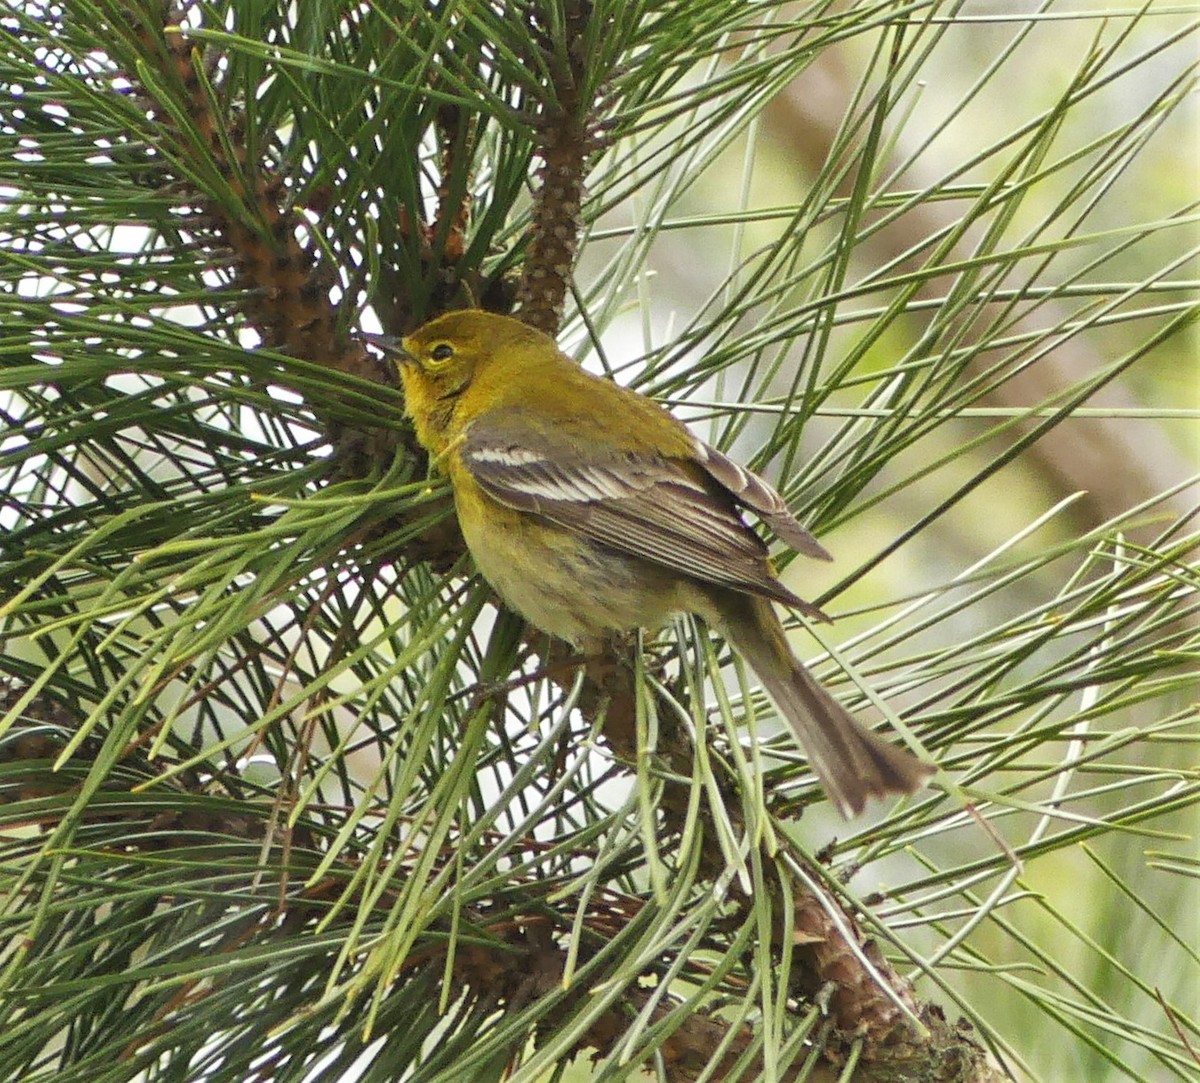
(443,351)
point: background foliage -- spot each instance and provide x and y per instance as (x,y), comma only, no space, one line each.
(268,807)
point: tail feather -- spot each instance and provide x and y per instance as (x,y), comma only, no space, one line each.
(852,763)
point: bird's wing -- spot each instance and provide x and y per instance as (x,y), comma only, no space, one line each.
(648,506)
(749,490)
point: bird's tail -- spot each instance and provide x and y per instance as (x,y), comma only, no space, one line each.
(852,763)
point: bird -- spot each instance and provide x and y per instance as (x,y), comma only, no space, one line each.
(592,512)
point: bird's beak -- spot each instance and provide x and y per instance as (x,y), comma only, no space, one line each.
(391,345)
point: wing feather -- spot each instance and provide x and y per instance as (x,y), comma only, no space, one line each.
(751,491)
(671,511)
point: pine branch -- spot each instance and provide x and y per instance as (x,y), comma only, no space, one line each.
(274,801)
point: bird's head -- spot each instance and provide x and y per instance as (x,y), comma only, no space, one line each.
(441,360)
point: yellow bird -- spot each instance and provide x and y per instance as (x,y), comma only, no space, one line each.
(591,510)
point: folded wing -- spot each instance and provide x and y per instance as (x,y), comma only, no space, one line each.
(678,513)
